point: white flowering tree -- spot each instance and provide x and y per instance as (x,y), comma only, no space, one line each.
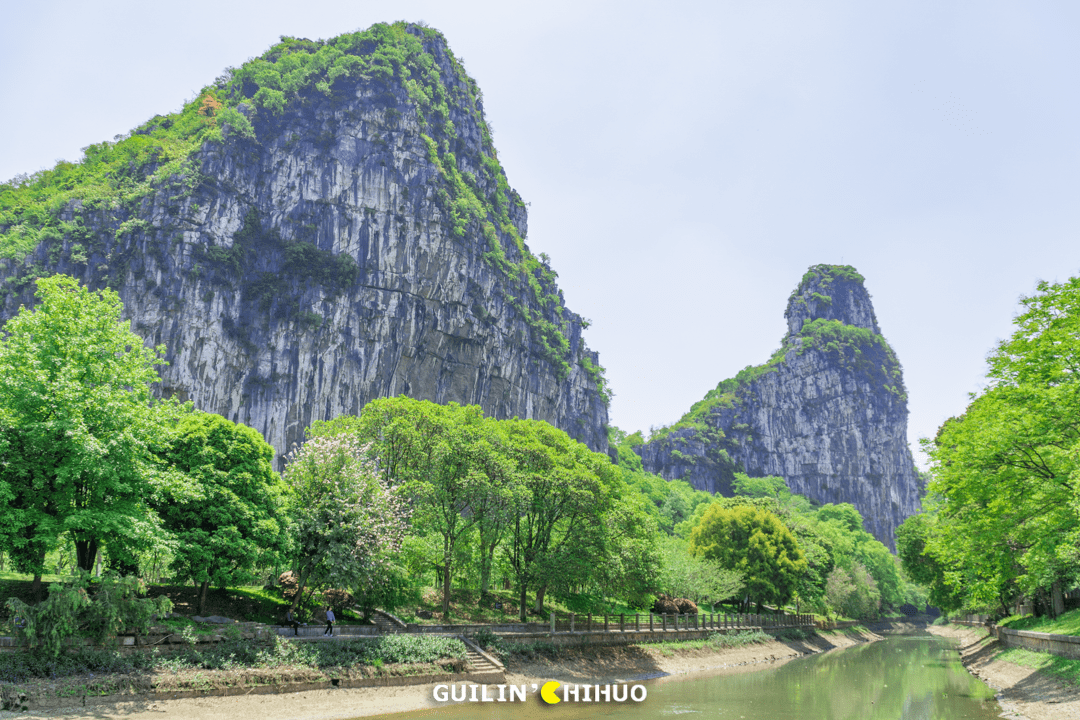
(346,521)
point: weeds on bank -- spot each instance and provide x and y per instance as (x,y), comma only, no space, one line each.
(715,641)
(406,649)
(1065,669)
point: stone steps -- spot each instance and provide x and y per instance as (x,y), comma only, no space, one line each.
(480,664)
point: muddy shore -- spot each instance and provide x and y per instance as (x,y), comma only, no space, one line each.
(1024,693)
(592,665)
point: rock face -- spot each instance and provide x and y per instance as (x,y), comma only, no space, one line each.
(828,413)
(295,275)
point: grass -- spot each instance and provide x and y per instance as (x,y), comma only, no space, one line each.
(251,603)
(6,575)
(1064,624)
(1065,669)
(468,607)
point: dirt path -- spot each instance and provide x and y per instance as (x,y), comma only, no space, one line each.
(592,665)
(1023,693)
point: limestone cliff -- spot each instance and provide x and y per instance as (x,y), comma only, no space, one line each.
(331,239)
(828,412)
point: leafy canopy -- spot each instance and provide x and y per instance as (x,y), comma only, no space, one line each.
(1005,518)
(755,543)
(221,500)
(77,421)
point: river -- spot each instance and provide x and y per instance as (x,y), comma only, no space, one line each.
(914,677)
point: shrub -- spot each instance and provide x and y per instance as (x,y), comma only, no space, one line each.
(485,638)
(686,607)
(107,607)
(338,599)
(665,606)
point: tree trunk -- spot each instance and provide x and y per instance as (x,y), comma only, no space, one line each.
(202,596)
(446,589)
(522,599)
(86,553)
(1057,599)
(36,588)
(487,559)
(539,606)
(299,590)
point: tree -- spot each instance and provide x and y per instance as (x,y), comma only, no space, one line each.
(221,500)
(77,421)
(443,459)
(1008,518)
(346,522)
(756,544)
(565,494)
(694,577)
(912,538)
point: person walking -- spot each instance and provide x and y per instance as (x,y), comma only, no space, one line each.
(329,622)
(290,620)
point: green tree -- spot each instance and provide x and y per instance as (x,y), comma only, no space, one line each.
(1008,518)
(443,458)
(694,577)
(755,543)
(912,538)
(77,421)
(565,495)
(222,501)
(346,524)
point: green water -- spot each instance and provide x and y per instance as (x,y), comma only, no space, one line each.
(909,677)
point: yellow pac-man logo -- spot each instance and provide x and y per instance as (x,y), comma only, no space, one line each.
(548,692)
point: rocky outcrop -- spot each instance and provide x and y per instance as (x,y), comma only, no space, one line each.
(326,260)
(828,413)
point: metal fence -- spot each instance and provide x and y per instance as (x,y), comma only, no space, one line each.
(638,622)
(652,622)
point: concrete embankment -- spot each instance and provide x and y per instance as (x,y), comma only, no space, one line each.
(1067,646)
(1022,692)
(294,694)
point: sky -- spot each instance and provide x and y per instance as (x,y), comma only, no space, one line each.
(685,162)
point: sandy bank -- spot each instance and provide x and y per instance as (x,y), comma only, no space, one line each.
(1022,692)
(592,665)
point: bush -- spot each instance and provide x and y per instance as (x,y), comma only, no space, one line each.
(665,606)
(338,599)
(101,609)
(20,667)
(738,639)
(686,607)
(485,638)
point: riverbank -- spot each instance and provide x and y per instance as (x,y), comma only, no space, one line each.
(632,662)
(1022,692)
(581,665)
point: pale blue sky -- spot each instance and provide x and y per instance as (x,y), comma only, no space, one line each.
(685,162)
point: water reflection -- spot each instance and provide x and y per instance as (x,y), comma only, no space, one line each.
(909,677)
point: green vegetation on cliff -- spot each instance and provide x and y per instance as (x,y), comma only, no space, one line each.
(162,155)
(856,349)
